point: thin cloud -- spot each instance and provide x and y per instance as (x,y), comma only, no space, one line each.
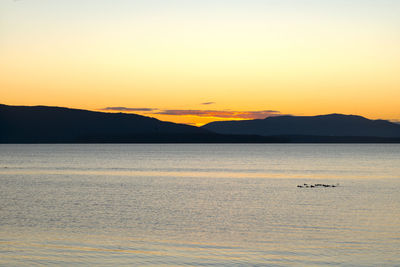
(207,103)
(191,123)
(128,109)
(220,113)
(223,114)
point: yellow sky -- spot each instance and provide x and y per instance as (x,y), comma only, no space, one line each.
(324,57)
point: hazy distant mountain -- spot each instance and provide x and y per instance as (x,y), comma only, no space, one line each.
(40,124)
(55,124)
(333,125)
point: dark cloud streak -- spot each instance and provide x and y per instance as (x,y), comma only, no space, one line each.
(128,109)
(220,113)
(225,114)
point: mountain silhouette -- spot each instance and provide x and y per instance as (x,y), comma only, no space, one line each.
(56,124)
(42,124)
(332,125)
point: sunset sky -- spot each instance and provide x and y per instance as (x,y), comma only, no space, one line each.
(198,61)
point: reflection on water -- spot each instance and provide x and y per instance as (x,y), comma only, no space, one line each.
(199,205)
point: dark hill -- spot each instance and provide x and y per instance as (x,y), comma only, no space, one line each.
(41,124)
(333,125)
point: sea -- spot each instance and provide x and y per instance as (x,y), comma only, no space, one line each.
(199,205)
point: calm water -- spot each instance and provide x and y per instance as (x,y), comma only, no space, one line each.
(199,205)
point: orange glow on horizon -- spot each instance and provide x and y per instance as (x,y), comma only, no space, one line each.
(249,56)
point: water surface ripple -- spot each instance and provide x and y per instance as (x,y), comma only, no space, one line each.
(199,205)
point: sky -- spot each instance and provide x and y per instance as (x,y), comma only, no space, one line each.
(199,61)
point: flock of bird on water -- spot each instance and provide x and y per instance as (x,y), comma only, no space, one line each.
(317,185)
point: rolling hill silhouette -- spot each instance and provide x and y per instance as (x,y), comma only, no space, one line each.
(42,124)
(332,125)
(56,124)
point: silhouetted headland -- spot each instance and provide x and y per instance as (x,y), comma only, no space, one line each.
(323,127)
(42,124)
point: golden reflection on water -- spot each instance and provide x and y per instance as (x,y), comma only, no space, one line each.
(155,247)
(162,205)
(200,174)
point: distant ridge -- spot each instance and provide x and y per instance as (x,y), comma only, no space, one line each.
(43,124)
(56,124)
(333,125)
